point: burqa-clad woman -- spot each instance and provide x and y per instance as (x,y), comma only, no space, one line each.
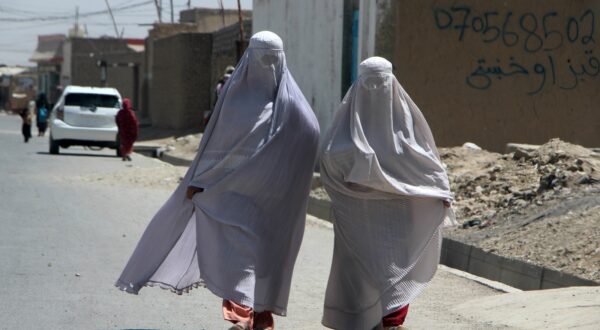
(239,229)
(390,195)
(27,116)
(128,129)
(42,112)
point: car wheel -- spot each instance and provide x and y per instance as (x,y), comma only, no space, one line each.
(53,146)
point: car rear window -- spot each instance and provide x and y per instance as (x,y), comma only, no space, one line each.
(92,100)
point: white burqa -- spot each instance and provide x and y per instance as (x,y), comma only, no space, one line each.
(380,165)
(241,235)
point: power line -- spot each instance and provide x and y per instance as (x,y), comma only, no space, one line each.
(71,16)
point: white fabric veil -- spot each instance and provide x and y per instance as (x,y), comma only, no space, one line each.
(241,235)
(380,165)
(380,141)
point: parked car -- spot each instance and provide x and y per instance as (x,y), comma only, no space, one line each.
(85,116)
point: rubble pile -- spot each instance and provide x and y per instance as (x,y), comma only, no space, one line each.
(537,204)
(486,184)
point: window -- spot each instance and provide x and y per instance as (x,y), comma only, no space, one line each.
(92,100)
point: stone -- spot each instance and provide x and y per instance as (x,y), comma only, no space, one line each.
(520,154)
(528,148)
(471,145)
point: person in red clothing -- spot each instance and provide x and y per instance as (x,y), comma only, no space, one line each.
(128,129)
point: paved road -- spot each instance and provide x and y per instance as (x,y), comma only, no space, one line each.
(64,241)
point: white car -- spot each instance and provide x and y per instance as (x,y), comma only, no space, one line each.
(85,116)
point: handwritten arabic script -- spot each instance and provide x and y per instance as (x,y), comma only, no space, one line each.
(529,35)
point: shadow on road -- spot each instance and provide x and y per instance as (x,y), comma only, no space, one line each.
(76,154)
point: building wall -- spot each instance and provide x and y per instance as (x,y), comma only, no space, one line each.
(123,77)
(494,72)
(225,51)
(159,30)
(80,66)
(211,20)
(181,83)
(312,33)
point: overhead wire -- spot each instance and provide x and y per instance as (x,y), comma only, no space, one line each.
(73,16)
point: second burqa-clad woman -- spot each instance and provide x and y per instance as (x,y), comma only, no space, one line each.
(390,195)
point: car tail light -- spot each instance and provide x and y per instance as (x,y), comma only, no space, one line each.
(60,113)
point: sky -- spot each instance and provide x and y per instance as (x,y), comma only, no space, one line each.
(22,21)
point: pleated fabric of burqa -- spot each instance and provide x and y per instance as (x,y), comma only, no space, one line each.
(381,168)
(239,237)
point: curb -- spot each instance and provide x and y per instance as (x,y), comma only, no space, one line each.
(159,152)
(176,161)
(473,260)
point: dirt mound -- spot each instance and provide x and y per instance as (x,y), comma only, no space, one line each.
(184,147)
(485,183)
(541,205)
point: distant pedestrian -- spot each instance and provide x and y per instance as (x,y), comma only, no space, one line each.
(128,129)
(27,117)
(220,85)
(390,195)
(236,221)
(223,80)
(42,112)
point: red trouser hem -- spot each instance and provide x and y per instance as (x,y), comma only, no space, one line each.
(236,313)
(396,318)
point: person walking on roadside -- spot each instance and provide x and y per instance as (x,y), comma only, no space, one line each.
(27,117)
(220,84)
(236,221)
(42,113)
(390,196)
(128,129)
(226,75)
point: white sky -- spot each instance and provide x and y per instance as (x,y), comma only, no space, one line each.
(22,21)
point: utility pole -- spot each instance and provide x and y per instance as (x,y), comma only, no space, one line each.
(222,11)
(113,18)
(172,20)
(77,21)
(158,10)
(241,51)
(189,4)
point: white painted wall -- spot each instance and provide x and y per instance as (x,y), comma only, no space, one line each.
(366,29)
(312,33)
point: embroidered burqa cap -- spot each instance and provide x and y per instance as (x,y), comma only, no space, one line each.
(241,235)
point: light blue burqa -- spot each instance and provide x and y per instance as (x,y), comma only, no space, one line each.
(239,237)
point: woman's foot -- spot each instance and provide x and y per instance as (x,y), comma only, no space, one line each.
(129,158)
(240,326)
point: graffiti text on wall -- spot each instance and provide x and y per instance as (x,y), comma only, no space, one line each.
(527,33)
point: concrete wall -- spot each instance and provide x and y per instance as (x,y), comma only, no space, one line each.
(493,72)
(312,33)
(181,82)
(159,30)
(225,51)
